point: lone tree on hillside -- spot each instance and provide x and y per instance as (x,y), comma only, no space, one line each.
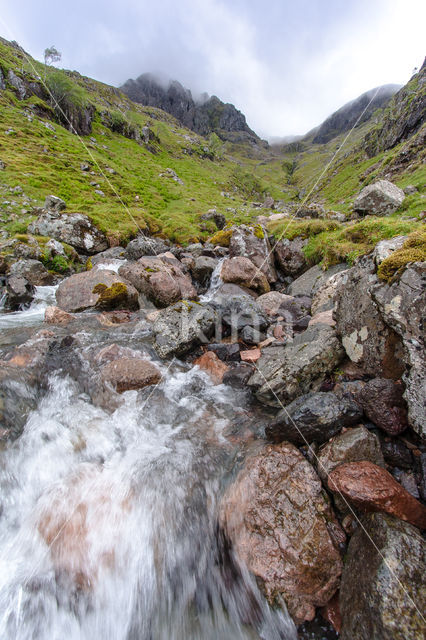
(51,55)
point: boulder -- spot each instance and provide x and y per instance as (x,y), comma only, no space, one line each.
(228,351)
(19,293)
(368,341)
(111,255)
(385,248)
(402,307)
(313,417)
(326,294)
(202,270)
(183,326)
(124,374)
(75,229)
(218,218)
(241,271)
(144,246)
(353,445)
(286,371)
(159,281)
(33,271)
(281,527)
(371,488)
(383,583)
(379,199)
(210,363)
(289,256)
(383,403)
(271,302)
(53,203)
(238,312)
(253,243)
(309,282)
(98,288)
(238,375)
(55,315)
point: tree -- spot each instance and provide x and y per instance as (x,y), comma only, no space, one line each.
(51,55)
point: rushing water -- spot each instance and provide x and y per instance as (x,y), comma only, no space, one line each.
(44,296)
(108,525)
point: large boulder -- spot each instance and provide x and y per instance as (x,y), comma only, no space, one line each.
(309,282)
(75,229)
(285,372)
(379,199)
(98,288)
(183,326)
(325,296)
(289,256)
(240,311)
(253,243)
(144,246)
(161,282)
(382,595)
(242,271)
(33,271)
(281,527)
(369,342)
(383,403)
(313,417)
(124,374)
(19,293)
(402,307)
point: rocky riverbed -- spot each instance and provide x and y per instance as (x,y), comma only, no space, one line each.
(231,439)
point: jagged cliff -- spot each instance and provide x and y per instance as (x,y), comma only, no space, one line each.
(204,117)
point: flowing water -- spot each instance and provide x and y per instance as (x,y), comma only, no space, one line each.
(108,522)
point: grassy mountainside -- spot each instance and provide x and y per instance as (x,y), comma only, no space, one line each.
(130,148)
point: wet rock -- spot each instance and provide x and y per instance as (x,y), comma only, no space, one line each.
(19,293)
(75,229)
(367,340)
(124,374)
(238,312)
(396,453)
(112,318)
(238,375)
(371,488)
(228,351)
(159,281)
(55,315)
(243,272)
(313,417)
(283,530)
(383,403)
(53,203)
(229,289)
(383,589)
(202,270)
(422,485)
(287,371)
(110,255)
(98,288)
(289,256)
(253,243)
(379,199)
(309,282)
(331,613)
(183,326)
(144,246)
(33,271)
(210,363)
(402,306)
(353,445)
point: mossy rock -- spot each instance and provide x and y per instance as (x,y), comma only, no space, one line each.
(222,238)
(413,250)
(111,297)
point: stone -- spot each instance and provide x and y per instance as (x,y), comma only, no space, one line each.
(183,326)
(238,375)
(253,243)
(402,307)
(252,355)
(281,527)
(270,302)
(144,246)
(98,288)
(75,229)
(383,583)
(286,371)
(54,203)
(202,270)
(19,293)
(396,453)
(371,488)
(229,289)
(352,445)
(55,315)
(112,318)
(323,317)
(331,613)
(385,248)
(33,271)
(368,341)
(210,363)
(227,351)
(379,199)
(159,281)
(18,84)
(55,248)
(241,271)
(383,403)
(109,256)
(238,312)
(326,294)
(289,256)
(218,218)
(309,282)
(312,417)
(124,374)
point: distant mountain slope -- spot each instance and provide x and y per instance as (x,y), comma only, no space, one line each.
(346,117)
(204,117)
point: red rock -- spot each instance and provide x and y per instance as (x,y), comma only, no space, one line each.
(210,363)
(55,315)
(130,373)
(383,403)
(372,488)
(279,332)
(252,355)
(280,526)
(323,317)
(240,270)
(331,612)
(110,318)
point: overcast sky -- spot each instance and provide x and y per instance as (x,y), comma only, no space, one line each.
(286,64)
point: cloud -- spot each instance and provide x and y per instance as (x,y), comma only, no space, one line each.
(285,65)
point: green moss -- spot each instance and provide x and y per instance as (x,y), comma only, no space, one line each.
(258,232)
(112,296)
(413,250)
(89,264)
(222,238)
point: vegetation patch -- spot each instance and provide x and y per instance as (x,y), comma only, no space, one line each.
(413,250)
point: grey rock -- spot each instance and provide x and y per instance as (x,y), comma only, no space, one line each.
(289,256)
(396,453)
(383,591)
(109,255)
(202,269)
(227,351)
(385,248)
(53,203)
(309,282)
(96,289)
(55,248)
(237,312)
(75,229)
(17,83)
(218,218)
(326,295)
(238,375)
(383,403)
(19,293)
(144,246)
(253,244)
(287,371)
(183,326)
(33,271)
(379,199)
(313,417)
